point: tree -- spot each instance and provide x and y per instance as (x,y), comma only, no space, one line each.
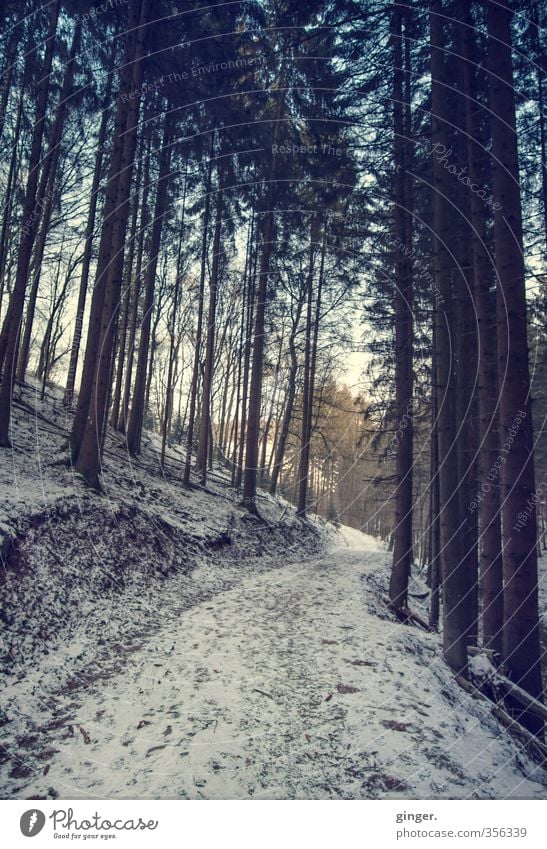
(521,643)
(489,539)
(201,298)
(453,580)
(89,233)
(9,339)
(266,226)
(205,418)
(90,420)
(46,194)
(134,426)
(402,549)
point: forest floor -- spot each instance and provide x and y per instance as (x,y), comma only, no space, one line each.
(161,645)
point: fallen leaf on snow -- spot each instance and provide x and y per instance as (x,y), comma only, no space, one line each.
(85,735)
(396,726)
(47,754)
(391,782)
(346,688)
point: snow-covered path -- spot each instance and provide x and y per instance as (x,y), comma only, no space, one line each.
(295,684)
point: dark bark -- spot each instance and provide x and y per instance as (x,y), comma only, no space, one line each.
(240,354)
(539,63)
(7,74)
(269,419)
(9,197)
(249,283)
(402,547)
(201,298)
(205,418)
(168,409)
(466,351)
(88,249)
(125,312)
(521,637)
(257,362)
(487,492)
(290,397)
(121,160)
(94,422)
(134,427)
(310,360)
(9,339)
(435,526)
(46,195)
(455,623)
(136,289)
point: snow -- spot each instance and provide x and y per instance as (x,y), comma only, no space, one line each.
(176,664)
(480,667)
(357,540)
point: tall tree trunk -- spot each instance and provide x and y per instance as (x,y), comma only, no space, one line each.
(521,638)
(9,197)
(121,160)
(304,454)
(134,427)
(130,308)
(7,74)
(201,298)
(205,418)
(249,283)
(172,332)
(466,351)
(255,387)
(455,623)
(302,478)
(269,419)
(94,422)
(487,500)
(123,417)
(539,63)
(435,526)
(156,312)
(9,338)
(289,403)
(277,427)
(46,195)
(88,249)
(224,411)
(309,376)
(402,546)
(240,351)
(126,312)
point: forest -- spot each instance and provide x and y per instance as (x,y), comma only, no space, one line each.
(273,303)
